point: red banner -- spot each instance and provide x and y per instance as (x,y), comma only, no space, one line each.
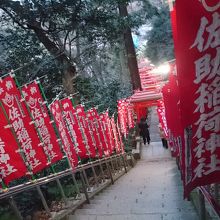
(12,165)
(122,116)
(172,119)
(104,134)
(64,134)
(198,65)
(22,125)
(162,117)
(39,113)
(120,138)
(74,130)
(93,117)
(86,130)
(130,115)
(116,137)
(109,133)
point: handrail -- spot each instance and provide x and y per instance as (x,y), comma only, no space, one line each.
(207,195)
(44,180)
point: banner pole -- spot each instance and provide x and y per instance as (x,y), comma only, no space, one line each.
(41,140)
(37,130)
(58,134)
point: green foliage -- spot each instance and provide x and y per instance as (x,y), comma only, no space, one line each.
(23,52)
(104,96)
(159,46)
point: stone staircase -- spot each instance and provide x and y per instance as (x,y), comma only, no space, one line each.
(152,190)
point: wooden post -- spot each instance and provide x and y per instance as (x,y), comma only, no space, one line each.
(43,200)
(61,191)
(15,208)
(109,173)
(202,211)
(84,188)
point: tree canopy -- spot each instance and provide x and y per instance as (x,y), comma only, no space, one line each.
(159,47)
(62,39)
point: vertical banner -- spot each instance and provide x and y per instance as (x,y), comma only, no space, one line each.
(22,124)
(109,133)
(116,138)
(198,66)
(120,138)
(93,117)
(86,130)
(64,134)
(104,134)
(12,165)
(122,116)
(172,119)
(162,117)
(39,113)
(70,118)
(130,111)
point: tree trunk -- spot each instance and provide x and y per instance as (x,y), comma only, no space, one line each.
(68,69)
(131,54)
(125,75)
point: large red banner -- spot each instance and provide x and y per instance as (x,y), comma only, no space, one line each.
(12,165)
(64,134)
(70,118)
(198,66)
(22,124)
(39,113)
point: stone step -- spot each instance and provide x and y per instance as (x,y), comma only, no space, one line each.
(140,203)
(143,193)
(183,216)
(123,208)
(134,210)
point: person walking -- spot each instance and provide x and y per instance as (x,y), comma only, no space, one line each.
(162,136)
(144,132)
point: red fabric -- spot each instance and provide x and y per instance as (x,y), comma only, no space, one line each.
(83,120)
(122,150)
(22,125)
(71,121)
(109,133)
(198,55)
(42,121)
(12,165)
(122,116)
(93,116)
(162,117)
(64,134)
(131,115)
(172,118)
(104,134)
(116,137)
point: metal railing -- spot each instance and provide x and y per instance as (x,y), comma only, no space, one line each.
(209,194)
(87,180)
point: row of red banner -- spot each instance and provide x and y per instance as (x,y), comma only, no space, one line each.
(192,96)
(34,135)
(125,116)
